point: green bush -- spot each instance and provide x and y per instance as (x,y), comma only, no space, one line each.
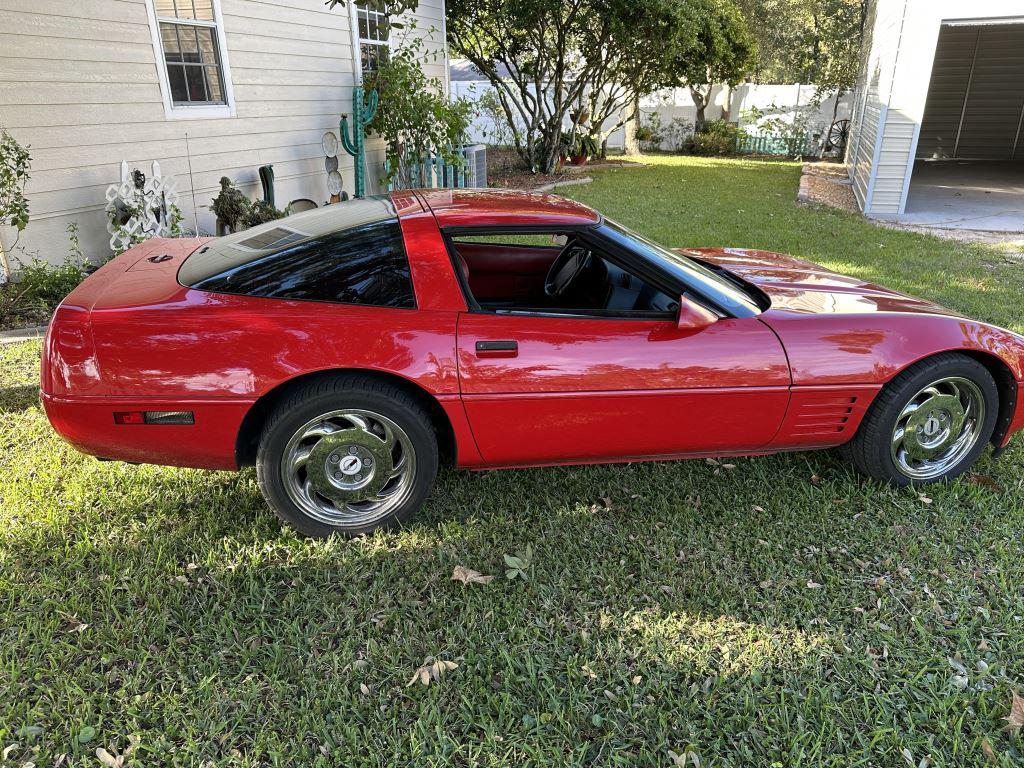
(44,285)
(716,138)
(260,212)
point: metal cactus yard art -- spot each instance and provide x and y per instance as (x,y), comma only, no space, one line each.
(353,138)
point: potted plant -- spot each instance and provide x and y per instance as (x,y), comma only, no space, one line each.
(583,148)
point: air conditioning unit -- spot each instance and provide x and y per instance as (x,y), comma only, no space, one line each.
(476,165)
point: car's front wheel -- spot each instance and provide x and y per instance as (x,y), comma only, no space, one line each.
(930,423)
(347,455)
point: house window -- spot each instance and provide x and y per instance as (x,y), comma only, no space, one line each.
(190,39)
(372,21)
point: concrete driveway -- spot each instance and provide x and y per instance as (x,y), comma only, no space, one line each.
(967,194)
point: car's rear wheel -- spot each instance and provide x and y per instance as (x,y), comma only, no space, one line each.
(930,423)
(346,455)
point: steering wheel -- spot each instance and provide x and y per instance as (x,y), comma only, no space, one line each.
(566,267)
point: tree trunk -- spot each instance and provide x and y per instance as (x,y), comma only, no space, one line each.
(630,145)
(727,106)
(5,263)
(700,103)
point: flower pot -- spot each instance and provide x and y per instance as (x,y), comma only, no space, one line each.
(578,160)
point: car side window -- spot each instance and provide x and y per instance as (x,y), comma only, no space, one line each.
(552,273)
(366,264)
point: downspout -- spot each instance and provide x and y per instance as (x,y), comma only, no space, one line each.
(444,42)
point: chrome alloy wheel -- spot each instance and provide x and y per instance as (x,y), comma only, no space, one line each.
(938,427)
(349,468)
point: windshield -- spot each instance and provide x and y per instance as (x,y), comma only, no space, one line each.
(722,292)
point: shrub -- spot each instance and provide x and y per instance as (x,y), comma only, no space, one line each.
(501,133)
(15,165)
(260,212)
(649,134)
(678,133)
(44,285)
(716,138)
(413,116)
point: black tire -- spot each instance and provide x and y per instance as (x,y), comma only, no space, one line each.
(345,392)
(870,450)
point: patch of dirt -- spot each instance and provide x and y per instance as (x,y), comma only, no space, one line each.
(505,170)
(829,184)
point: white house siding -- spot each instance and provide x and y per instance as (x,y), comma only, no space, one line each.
(80,85)
(863,132)
(900,49)
(883,40)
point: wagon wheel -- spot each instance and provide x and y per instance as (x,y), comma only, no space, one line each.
(838,134)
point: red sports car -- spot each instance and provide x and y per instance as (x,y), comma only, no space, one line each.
(348,350)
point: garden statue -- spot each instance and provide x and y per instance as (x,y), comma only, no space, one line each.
(230,206)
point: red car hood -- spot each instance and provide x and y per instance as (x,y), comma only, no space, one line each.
(795,285)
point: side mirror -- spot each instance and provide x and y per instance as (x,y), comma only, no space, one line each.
(694,317)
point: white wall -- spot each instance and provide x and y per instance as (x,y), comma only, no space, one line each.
(779,101)
(80,85)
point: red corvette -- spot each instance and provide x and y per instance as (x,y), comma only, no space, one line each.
(347,350)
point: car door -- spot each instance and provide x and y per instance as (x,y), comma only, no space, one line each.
(545,389)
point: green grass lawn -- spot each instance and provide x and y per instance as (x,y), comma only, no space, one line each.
(775,611)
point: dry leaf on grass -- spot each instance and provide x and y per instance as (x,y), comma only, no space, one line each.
(431,670)
(989,752)
(72,623)
(108,759)
(468,576)
(986,481)
(1015,720)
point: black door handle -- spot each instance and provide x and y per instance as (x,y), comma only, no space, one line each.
(505,348)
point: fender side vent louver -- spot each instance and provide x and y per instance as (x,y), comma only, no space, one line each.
(824,416)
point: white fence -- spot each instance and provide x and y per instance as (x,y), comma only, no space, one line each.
(782,102)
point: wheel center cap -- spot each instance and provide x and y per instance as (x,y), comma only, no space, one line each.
(934,427)
(351,465)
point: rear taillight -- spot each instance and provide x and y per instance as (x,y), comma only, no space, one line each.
(154,417)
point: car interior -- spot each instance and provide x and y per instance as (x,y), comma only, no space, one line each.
(525,272)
